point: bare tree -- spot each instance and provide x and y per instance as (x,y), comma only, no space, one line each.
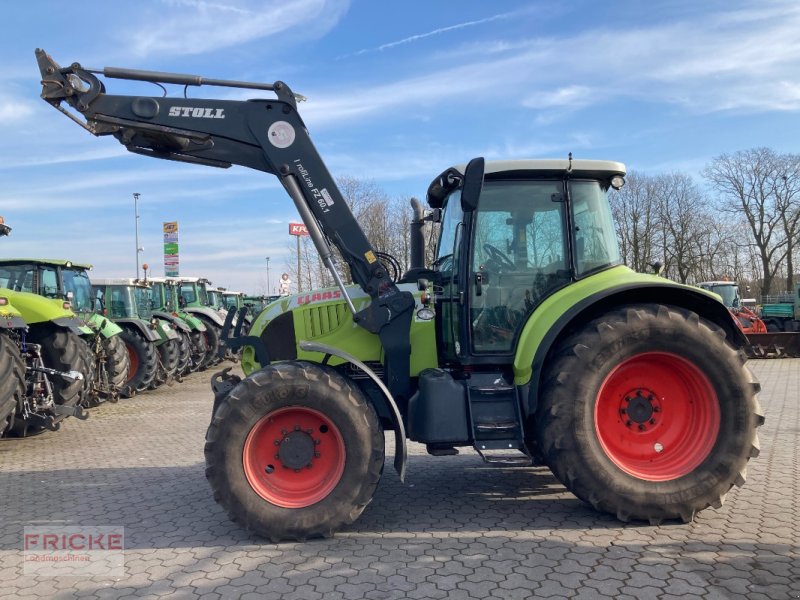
(750,183)
(635,211)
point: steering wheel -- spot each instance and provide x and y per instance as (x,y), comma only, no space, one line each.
(495,255)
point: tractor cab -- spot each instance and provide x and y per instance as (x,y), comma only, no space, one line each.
(727,290)
(51,278)
(534,227)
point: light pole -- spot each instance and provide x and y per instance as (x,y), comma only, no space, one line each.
(136,222)
(268,294)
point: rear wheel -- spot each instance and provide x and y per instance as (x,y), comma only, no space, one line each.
(295,451)
(184,353)
(89,396)
(649,414)
(12,382)
(64,351)
(168,355)
(199,350)
(142,362)
(212,335)
(117,361)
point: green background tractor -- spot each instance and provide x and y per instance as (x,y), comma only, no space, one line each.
(194,300)
(192,330)
(151,343)
(69,281)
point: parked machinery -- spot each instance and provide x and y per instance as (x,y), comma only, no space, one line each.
(70,281)
(165,294)
(153,347)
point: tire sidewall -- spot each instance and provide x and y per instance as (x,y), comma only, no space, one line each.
(244,408)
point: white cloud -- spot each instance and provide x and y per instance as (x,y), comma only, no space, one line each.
(201,27)
(740,60)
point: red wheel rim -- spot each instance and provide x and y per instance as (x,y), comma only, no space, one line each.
(657,416)
(294,457)
(133,362)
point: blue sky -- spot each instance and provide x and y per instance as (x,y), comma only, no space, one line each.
(397,92)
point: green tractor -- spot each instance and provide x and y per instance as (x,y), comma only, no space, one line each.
(70,281)
(55,359)
(194,299)
(153,345)
(28,402)
(191,329)
(526,339)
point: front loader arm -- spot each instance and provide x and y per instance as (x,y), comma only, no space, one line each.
(265,134)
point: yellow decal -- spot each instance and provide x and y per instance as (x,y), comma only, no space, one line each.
(370,255)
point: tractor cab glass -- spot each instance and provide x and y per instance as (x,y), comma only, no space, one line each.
(120,303)
(158,296)
(144,302)
(188,293)
(596,245)
(17,277)
(214,298)
(77,282)
(519,257)
(728,291)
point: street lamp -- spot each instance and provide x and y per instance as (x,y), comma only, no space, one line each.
(136,222)
(268,294)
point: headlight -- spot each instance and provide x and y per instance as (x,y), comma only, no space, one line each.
(617,181)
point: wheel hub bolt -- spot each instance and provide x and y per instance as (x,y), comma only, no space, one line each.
(658,447)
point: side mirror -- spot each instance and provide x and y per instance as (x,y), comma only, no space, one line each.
(473,184)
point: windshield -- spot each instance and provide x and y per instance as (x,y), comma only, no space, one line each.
(144,302)
(157,294)
(78,283)
(596,243)
(729,293)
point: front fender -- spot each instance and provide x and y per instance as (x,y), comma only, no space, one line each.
(400,450)
(106,327)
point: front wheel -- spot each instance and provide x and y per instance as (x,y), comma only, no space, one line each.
(649,414)
(295,451)
(12,382)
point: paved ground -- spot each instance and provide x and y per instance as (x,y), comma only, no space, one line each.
(459,529)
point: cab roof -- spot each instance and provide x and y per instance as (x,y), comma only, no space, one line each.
(55,262)
(119,281)
(532,168)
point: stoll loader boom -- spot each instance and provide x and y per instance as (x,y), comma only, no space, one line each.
(526,340)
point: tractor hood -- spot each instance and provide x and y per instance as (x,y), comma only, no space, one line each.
(37,309)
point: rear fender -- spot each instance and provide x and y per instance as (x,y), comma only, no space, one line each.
(177,322)
(150,334)
(545,330)
(208,313)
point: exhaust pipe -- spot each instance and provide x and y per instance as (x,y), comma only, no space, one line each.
(417,237)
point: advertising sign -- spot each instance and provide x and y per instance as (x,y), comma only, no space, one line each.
(297,229)
(171,255)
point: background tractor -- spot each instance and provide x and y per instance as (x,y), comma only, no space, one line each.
(194,299)
(766,339)
(191,329)
(526,340)
(70,281)
(50,346)
(153,347)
